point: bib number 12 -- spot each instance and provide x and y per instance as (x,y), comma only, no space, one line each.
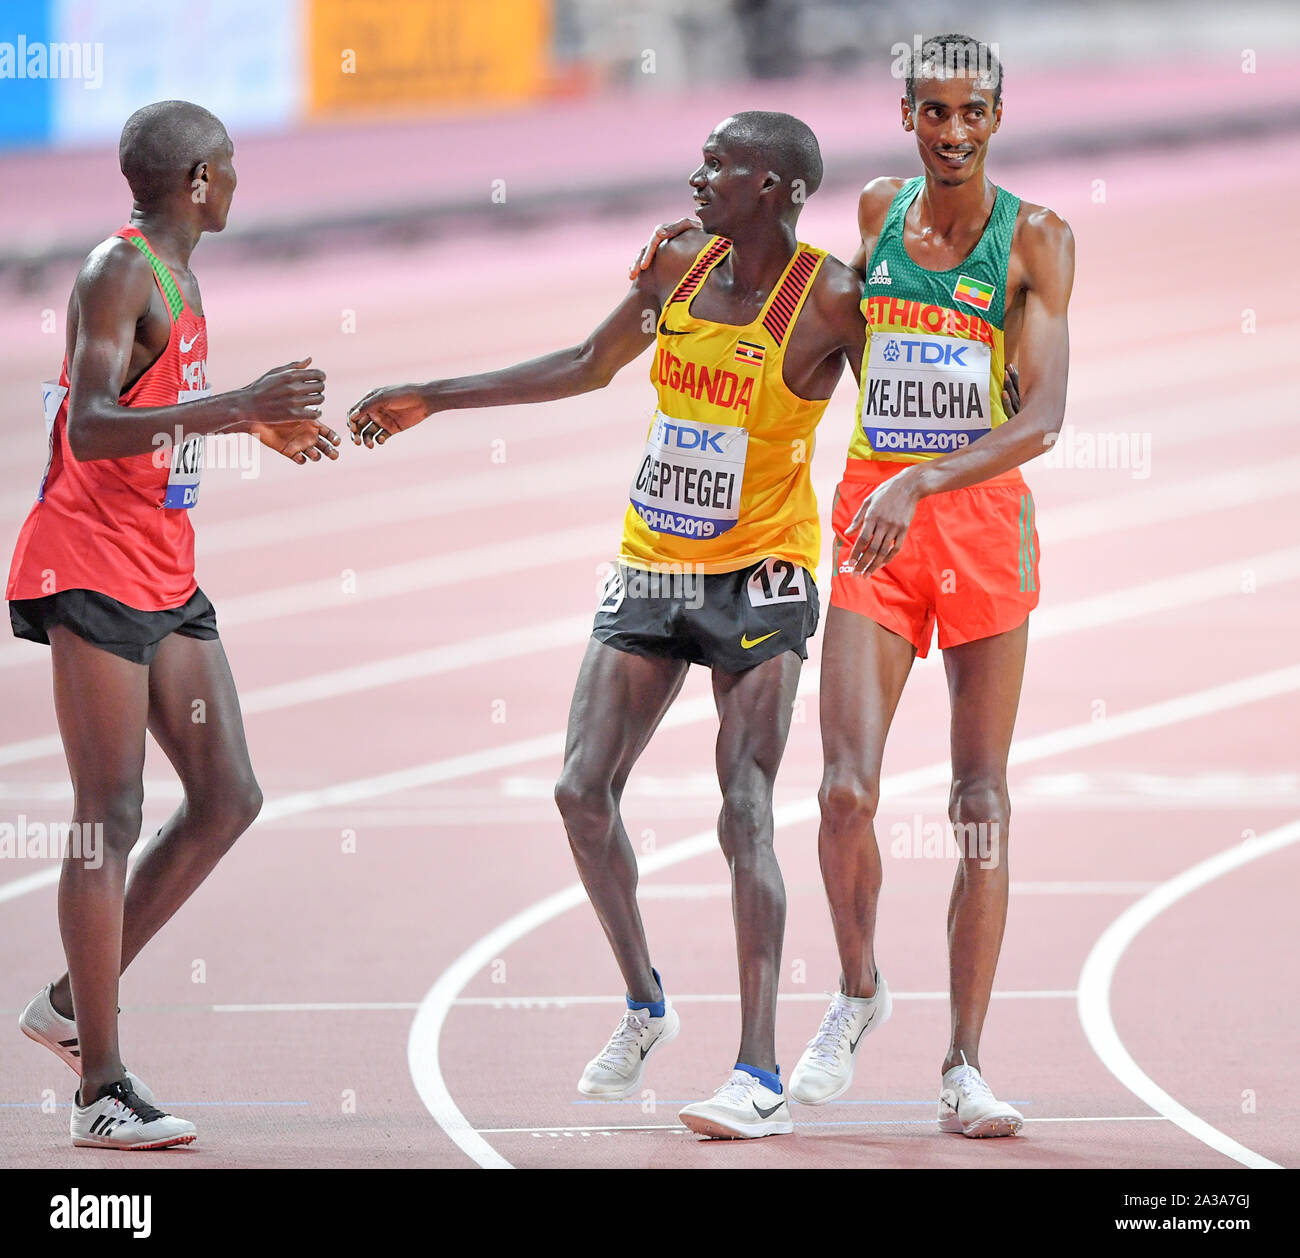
(777,581)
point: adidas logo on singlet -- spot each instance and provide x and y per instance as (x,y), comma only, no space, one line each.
(881,274)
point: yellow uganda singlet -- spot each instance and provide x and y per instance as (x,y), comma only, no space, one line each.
(725,480)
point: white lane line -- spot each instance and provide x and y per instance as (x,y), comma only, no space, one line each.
(332,1006)
(1273,684)
(1186,589)
(524,751)
(448,988)
(542,1131)
(523,480)
(564,1002)
(849,1122)
(1080,888)
(486,806)
(1099,971)
(455,568)
(1094,518)
(710,890)
(1209,583)
(1167,594)
(426,1028)
(1260,407)
(453,656)
(1232,487)
(28,883)
(724,998)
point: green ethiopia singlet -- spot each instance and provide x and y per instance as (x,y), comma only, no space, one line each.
(931,378)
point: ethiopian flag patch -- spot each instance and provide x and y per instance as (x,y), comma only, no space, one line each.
(973,292)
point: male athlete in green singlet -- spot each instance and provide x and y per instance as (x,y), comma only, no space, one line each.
(934,524)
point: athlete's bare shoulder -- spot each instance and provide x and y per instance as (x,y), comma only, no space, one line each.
(829,326)
(672,260)
(1042,247)
(837,291)
(115,271)
(873,204)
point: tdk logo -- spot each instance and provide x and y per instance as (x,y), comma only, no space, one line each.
(684,438)
(927,352)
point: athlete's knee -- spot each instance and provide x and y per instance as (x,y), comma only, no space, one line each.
(224,808)
(979,799)
(848,799)
(118,811)
(745,823)
(980,811)
(245,805)
(585,800)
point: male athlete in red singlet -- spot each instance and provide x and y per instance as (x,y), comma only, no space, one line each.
(104,573)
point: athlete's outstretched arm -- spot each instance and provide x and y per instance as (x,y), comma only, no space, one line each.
(112,295)
(565,373)
(1044,361)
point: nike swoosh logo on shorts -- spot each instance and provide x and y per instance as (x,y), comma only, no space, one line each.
(186,346)
(746,642)
(766,1113)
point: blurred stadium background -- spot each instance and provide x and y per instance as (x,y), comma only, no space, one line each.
(406,116)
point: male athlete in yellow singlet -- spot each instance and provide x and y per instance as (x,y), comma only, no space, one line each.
(720,540)
(934,524)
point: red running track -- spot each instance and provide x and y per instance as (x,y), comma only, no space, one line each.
(405,628)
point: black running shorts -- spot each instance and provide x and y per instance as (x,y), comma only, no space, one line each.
(727,620)
(110,625)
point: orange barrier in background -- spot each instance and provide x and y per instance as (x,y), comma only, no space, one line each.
(367,56)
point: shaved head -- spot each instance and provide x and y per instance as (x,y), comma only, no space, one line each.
(163,142)
(779,143)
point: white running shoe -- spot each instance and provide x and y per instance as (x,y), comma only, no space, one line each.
(615,1072)
(121,1120)
(825,1070)
(743,1108)
(42,1022)
(968,1107)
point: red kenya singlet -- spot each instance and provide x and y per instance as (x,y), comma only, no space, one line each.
(121,526)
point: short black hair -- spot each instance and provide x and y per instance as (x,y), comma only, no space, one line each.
(780,142)
(161,143)
(953,54)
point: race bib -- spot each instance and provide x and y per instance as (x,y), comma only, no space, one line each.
(52,395)
(187,462)
(612,592)
(776,581)
(926,393)
(689,480)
